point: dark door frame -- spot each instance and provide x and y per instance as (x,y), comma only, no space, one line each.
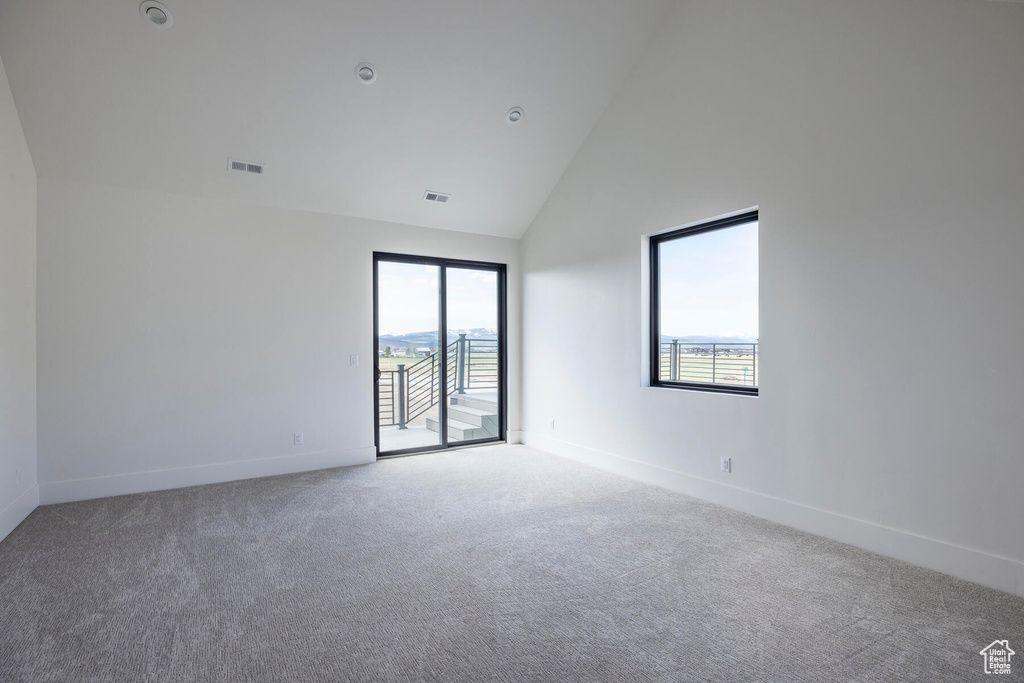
(443,264)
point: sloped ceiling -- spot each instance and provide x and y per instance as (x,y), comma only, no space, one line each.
(106,98)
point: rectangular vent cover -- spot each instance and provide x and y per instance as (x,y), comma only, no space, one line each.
(439,197)
(245,166)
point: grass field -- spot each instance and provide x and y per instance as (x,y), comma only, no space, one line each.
(720,369)
(693,367)
(479,361)
(391,363)
(724,369)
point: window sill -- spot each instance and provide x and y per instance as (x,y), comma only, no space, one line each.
(707,388)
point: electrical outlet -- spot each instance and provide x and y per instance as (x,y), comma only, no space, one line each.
(727,465)
(298,438)
(353,360)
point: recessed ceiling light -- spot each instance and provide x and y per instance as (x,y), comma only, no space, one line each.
(366,73)
(156,14)
(514,115)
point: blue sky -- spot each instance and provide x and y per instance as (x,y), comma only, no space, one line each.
(709,287)
(409,298)
(709,284)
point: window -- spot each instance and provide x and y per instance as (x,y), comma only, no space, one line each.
(704,315)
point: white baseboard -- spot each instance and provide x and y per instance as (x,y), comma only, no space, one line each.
(514,436)
(1001,573)
(158,480)
(15,513)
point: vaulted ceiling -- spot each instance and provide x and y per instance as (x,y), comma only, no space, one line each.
(105,97)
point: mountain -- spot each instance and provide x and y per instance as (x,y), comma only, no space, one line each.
(428,339)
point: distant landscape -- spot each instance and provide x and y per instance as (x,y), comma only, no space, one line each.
(667,339)
(427,339)
(399,343)
(415,349)
(732,362)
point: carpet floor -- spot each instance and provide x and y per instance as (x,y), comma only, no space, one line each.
(493,564)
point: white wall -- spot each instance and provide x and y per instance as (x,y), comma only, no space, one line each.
(884,145)
(184,340)
(17,318)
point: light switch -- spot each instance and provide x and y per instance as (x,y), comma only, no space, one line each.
(353,360)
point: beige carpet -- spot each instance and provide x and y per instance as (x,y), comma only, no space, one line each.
(496,564)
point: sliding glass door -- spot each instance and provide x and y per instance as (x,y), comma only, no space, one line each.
(408,344)
(474,365)
(435,390)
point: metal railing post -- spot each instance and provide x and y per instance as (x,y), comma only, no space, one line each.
(673,360)
(433,372)
(753,370)
(462,364)
(714,357)
(401,396)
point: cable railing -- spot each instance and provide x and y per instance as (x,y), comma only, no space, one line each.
(732,363)
(409,391)
(453,363)
(386,397)
(421,386)
(481,363)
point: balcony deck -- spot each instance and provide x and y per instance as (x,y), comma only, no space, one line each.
(416,435)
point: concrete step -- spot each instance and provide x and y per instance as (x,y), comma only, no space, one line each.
(461,431)
(473,416)
(473,402)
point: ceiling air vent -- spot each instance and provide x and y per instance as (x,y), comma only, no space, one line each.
(245,166)
(439,197)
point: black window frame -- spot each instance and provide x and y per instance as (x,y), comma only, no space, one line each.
(443,264)
(655,303)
